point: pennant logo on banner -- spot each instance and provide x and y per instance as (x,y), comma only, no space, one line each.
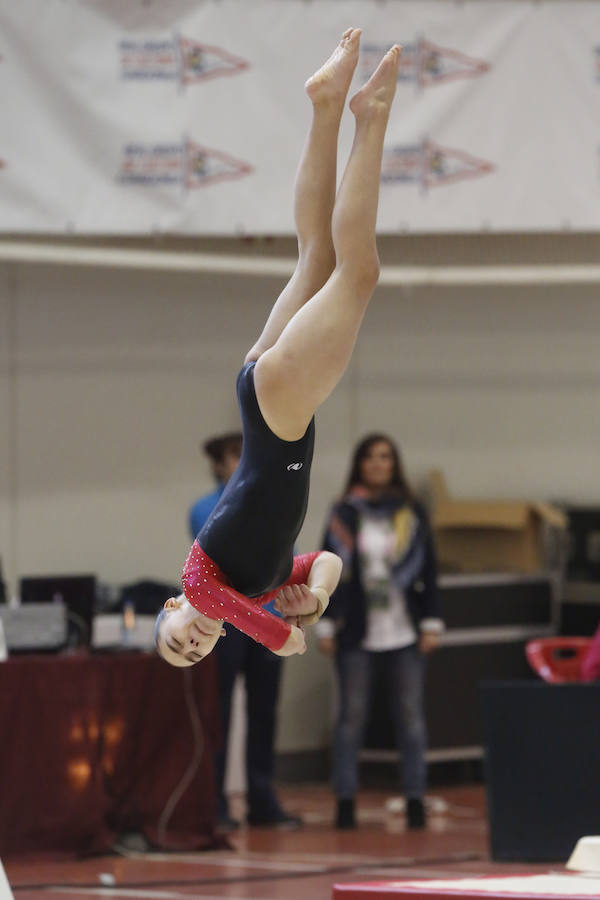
(187,164)
(176,59)
(429,165)
(204,167)
(200,61)
(424,63)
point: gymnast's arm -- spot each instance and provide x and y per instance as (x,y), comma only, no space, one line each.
(306,593)
(218,600)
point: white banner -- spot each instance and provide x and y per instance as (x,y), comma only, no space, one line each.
(189,117)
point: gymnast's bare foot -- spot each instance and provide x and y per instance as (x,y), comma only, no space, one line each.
(332,80)
(377,94)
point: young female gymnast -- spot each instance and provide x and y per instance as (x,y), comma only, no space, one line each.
(243,556)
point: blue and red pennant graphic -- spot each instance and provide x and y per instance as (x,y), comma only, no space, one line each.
(424,63)
(176,59)
(430,165)
(185,163)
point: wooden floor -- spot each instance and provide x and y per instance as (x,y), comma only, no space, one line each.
(268,864)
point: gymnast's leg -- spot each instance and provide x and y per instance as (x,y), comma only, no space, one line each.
(298,372)
(314,191)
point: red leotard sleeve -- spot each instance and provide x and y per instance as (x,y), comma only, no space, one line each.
(299,575)
(207,589)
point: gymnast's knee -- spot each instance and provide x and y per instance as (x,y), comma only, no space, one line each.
(362,269)
(253,354)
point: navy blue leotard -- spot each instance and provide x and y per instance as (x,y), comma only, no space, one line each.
(251,532)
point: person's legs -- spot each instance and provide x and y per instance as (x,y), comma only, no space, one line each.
(314,191)
(408,713)
(231,652)
(263,676)
(296,374)
(354,683)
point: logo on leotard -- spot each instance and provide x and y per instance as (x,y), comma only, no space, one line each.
(294,467)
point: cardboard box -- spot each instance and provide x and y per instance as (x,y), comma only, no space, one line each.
(490,535)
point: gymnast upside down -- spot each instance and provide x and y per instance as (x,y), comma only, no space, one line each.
(243,556)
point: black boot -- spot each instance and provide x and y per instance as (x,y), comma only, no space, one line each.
(345,813)
(415,813)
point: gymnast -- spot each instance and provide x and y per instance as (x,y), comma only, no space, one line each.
(243,556)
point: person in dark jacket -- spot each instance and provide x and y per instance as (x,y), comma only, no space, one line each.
(261,670)
(384,612)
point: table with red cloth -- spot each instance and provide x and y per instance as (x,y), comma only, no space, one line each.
(96,746)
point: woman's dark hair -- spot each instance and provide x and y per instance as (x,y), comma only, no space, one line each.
(398,484)
(217,448)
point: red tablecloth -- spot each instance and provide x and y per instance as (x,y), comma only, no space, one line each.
(95,746)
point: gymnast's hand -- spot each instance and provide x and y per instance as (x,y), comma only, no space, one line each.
(295,600)
(295,643)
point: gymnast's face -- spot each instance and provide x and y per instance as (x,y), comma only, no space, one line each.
(184,636)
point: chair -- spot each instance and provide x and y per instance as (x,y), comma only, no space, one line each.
(557,659)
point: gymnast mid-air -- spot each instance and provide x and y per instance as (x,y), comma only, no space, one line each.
(243,556)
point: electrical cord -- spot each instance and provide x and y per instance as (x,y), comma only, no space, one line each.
(190,772)
(82,626)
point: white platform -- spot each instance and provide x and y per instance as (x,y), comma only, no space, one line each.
(586,855)
(550,886)
(5,891)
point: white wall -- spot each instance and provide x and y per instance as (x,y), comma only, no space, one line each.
(7,474)
(109,379)
(498,386)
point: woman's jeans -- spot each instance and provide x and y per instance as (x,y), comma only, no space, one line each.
(404,672)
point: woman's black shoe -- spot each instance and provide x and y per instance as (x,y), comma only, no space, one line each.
(345,813)
(415,813)
(278,819)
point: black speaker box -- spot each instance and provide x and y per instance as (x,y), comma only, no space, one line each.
(542,745)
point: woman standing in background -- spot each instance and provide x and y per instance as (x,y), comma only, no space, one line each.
(384,612)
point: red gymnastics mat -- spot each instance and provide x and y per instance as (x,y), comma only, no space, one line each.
(551,885)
